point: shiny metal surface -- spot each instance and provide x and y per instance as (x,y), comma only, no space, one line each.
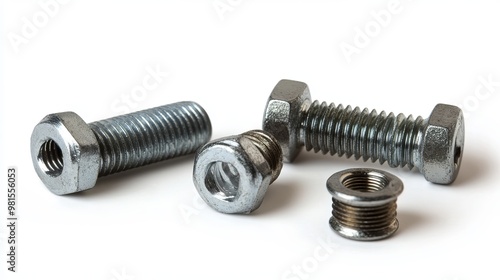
(434,145)
(364,203)
(69,155)
(232,174)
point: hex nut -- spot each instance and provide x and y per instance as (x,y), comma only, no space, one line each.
(443,144)
(364,203)
(65,153)
(283,113)
(232,174)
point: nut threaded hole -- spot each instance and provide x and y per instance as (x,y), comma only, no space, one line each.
(223,180)
(50,158)
(365,182)
(458,155)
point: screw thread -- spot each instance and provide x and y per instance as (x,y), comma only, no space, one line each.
(364,134)
(269,148)
(359,214)
(151,135)
(374,218)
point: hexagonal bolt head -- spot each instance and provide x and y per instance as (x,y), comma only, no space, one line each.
(434,145)
(289,100)
(442,144)
(65,153)
(232,174)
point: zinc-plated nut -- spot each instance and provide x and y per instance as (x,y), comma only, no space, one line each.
(434,145)
(364,203)
(232,174)
(69,155)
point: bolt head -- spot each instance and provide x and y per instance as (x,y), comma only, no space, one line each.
(65,153)
(443,144)
(288,101)
(232,175)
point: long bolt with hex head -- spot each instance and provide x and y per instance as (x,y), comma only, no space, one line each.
(69,155)
(433,145)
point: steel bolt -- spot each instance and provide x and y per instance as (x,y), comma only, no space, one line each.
(364,203)
(232,174)
(69,155)
(434,145)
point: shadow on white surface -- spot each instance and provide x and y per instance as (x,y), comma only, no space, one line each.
(409,221)
(118,182)
(279,196)
(474,169)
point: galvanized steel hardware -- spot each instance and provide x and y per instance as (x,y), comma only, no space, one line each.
(434,145)
(69,155)
(232,174)
(364,203)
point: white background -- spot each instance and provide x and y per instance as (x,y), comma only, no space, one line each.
(149,223)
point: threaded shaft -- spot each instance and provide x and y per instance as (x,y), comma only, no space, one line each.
(269,148)
(339,130)
(149,136)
